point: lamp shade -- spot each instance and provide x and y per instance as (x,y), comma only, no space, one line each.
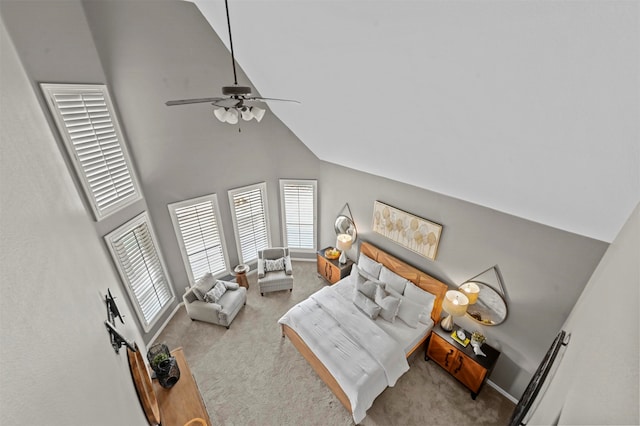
(258,113)
(344,242)
(455,303)
(471,290)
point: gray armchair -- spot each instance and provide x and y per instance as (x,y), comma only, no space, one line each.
(223,312)
(274,280)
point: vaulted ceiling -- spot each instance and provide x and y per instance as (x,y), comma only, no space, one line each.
(529,108)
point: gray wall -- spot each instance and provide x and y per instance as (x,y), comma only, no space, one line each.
(148,53)
(58,366)
(596,379)
(544,269)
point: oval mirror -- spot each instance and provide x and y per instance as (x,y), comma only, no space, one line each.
(490,307)
(344,225)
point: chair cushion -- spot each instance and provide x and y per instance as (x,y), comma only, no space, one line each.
(203,285)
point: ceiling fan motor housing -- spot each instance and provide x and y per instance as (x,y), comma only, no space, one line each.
(236,90)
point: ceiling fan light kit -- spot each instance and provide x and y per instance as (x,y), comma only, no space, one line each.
(231,107)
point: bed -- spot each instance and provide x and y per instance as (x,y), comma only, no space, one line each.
(358,357)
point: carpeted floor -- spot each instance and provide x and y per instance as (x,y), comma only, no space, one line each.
(250,375)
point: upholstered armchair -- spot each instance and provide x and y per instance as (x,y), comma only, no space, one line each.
(274,270)
(203,303)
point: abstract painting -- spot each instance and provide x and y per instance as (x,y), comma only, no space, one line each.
(415,233)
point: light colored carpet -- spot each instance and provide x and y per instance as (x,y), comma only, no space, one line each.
(250,375)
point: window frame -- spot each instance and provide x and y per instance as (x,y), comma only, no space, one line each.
(50,90)
(262,186)
(213,198)
(283,214)
(111,239)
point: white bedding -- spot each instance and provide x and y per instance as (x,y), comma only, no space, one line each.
(364,356)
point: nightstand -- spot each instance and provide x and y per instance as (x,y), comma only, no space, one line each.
(332,270)
(461,362)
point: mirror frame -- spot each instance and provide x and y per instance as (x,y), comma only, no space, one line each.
(496,295)
(350,228)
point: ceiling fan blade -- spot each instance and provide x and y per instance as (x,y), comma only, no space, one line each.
(193,101)
(226,102)
(261,99)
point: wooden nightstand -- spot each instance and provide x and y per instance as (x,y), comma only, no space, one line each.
(332,270)
(461,362)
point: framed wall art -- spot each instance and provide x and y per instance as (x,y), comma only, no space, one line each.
(412,232)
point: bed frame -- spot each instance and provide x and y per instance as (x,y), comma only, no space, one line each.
(419,278)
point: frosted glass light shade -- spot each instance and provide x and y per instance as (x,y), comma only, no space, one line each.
(232,116)
(471,290)
(247,114)
(221,114)
(258,113)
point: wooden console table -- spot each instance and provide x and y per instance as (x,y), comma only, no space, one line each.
(181,403)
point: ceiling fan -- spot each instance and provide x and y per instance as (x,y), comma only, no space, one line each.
(232,105)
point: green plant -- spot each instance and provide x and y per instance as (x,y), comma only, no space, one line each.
(478,337)
(158,359)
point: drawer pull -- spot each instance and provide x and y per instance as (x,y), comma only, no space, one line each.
(446,358)
(459,366)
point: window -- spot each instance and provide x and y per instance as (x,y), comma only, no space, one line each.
(250,220)
(134,250)
(298,206)
(200,236)
(87,123)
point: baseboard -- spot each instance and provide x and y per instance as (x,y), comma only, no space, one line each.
(502,392)
(164,324)
(304,259)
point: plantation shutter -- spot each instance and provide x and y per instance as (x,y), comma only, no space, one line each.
(298,200)
(250,220)
(199,235)
(135,251)
(86,121)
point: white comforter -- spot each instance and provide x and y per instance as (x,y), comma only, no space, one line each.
(359,354)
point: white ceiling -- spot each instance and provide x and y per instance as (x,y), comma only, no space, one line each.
(529,108)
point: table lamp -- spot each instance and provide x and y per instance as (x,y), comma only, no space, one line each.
(455,304)
(343,244)
(471,290)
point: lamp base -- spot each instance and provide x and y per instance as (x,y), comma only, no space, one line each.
(447,323)
(343,257)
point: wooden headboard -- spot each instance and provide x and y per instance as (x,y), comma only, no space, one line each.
(416,276)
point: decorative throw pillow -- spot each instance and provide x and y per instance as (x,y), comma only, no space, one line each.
(370,266)
(274,265)
(215,293)
(393,280)
(423,298)
(388,303)
(368,288)
(408,311)
(366,305)
(203,285)
(231,285)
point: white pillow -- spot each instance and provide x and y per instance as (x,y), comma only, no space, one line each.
(393,280)
(388,303)
(230,285)
(370,266)
(366,305)
(215,293)
(423,298)
(408,311)
(203,285)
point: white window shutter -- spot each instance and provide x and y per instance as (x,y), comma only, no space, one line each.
(298,206)
(87,123)
(200,237)
(250,220)
(134,250)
